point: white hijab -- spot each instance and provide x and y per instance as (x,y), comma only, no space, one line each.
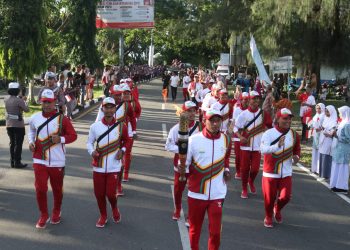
(344,113)
(318,118)
(330,122)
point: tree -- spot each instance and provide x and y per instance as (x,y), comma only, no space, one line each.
(314,32)
(82,32)
(22,38)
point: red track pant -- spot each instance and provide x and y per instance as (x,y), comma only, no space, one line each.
(42,174)
(250,163)
(179,187)
(127,157)
(185,94)
(237,149)
(280,188)
(196,213)
(105,185)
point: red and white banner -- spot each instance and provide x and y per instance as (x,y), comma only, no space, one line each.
(125,14)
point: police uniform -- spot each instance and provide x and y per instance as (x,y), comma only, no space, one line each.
(15,106)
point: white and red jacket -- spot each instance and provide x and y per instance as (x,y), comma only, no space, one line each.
(193,88)
(46,152)
(208,100)
(238,109)
(225,108)
(208,157)
(278,160)
(172,140)
(254,131)
(117,139)
(124,113)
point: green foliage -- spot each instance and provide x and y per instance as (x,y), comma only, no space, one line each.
(22,38)
(82,31)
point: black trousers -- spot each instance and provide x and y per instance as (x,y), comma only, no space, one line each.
(173,92)
(16,142)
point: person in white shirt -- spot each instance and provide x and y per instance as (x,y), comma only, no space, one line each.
(194,87)
(208,159)
(174,83)
(185,83)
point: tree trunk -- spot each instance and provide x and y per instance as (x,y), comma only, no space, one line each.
(31,95)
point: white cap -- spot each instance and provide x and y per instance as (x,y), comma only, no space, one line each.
(223,91)
(108,100)
(122,81)
(187,105)
(125,87)
(212,112)
(47,95)
(211,80)
(116,89)
(253,94)
(50,74)
(128,80)
(13,85)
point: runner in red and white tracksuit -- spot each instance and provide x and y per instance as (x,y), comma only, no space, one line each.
(224,105)
(210,98)
(208,160)
(251,123)
(172,146)
(49,131)
(136,107)
(111,138)
(124,113)
(194,87)
(238,109)
(133,87)
(281,147)
(200,97)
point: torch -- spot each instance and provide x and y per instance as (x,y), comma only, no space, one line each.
(183,144)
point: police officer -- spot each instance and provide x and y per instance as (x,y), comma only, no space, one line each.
(15,105)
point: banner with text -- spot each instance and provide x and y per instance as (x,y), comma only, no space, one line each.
(125,14)
(257,59)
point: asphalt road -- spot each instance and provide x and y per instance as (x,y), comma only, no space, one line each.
(314,219)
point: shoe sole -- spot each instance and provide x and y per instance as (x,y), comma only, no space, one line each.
(55,222)
(175,218)
(244,197)
(39,227)
(268,226)
(101,226)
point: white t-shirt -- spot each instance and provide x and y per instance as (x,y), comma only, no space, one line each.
(174,81)
(186,81)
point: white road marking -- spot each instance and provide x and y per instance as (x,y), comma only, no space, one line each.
(165,133)
(163,106)
(324,183)
(185,239)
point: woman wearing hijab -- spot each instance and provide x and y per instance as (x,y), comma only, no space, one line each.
(341,153)
(329,125)
(316,125)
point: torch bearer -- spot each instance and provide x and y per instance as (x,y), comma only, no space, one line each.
(183,144)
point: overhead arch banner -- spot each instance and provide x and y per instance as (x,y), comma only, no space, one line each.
(127,14)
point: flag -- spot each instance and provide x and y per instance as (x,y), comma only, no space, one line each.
(257,59)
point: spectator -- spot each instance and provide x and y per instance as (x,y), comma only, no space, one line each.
(174,83)
(267,104)
(15,106)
